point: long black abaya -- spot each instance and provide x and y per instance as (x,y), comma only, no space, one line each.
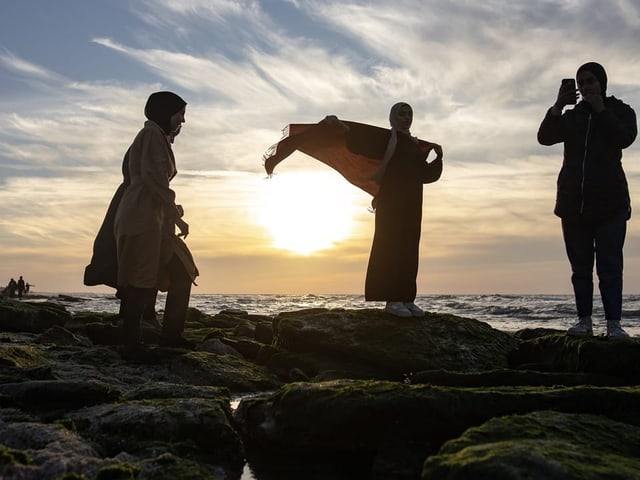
(393,262)
(357,154)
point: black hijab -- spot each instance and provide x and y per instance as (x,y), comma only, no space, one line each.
(161,106)
(598,72)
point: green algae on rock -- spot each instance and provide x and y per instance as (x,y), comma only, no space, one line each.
(542,445)
(10,456)
(17,316)
(561,353)
(373,344)
(369,419)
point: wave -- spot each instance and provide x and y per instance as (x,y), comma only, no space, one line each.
(505,312)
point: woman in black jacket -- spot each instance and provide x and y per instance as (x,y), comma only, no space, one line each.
(592,196)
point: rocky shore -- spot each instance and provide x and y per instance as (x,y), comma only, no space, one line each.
(315,394)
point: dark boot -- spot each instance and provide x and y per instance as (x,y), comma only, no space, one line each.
(135,301)
(175,310)
(149,316)
(121,294)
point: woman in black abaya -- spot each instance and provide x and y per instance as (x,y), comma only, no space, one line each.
(393,262)
(392,166)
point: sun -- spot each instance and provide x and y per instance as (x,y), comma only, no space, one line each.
(306,212)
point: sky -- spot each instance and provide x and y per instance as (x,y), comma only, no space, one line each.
(75,75)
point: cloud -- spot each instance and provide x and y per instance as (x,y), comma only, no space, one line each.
(222,79)
(166,14)
(480,77)
(478,54)
(28,69)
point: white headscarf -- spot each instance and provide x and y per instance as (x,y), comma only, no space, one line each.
(393,139)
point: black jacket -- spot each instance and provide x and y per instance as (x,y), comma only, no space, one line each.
(591,184)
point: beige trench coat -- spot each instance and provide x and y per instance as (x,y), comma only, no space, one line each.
(144,224)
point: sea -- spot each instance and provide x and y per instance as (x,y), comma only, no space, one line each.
(508,313)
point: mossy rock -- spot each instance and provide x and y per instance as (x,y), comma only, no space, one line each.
(221,320)
(56,394)
(597,355)
(171,467)
(21,357)
(399,425)
(156,390)
(82,318)
(72,476)
(370,343)
(192,427)
(23,363)
(118,471)
(264,332)
(238,375)
(9,456)
(509,377)
(543,445)
(17,316)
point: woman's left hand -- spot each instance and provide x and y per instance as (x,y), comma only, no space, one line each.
(335,123)
(595,100)
(183,226)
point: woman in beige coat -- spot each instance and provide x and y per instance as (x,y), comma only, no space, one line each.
(150,255)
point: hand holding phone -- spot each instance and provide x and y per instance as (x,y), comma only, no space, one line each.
(568,93)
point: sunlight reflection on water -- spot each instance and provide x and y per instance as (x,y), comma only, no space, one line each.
(247,474)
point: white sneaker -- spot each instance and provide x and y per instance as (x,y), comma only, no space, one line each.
(581,329)
(398,309)
(615,331)
(415,310)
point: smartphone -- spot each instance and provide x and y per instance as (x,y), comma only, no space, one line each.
(569,84)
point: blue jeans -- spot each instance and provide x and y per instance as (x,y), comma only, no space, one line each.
(604,239)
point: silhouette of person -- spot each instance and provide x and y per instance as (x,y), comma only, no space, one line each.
(12,286)
(150,256)
(393,262)
(592,194)
(20,286)
(103,267)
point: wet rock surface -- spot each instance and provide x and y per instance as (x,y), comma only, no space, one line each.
(323,394)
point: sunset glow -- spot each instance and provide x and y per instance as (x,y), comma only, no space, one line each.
(308,212)
(76,75)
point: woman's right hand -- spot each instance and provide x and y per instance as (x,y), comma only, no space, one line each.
(567,95)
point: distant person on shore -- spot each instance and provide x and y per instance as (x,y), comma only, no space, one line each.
(592,197)
(150,255)
(27,288)
(401,172)
(21,287)
(11,288)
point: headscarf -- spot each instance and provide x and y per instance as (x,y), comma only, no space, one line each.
(599,72)
(161,106)
(393,116)
(393,139)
